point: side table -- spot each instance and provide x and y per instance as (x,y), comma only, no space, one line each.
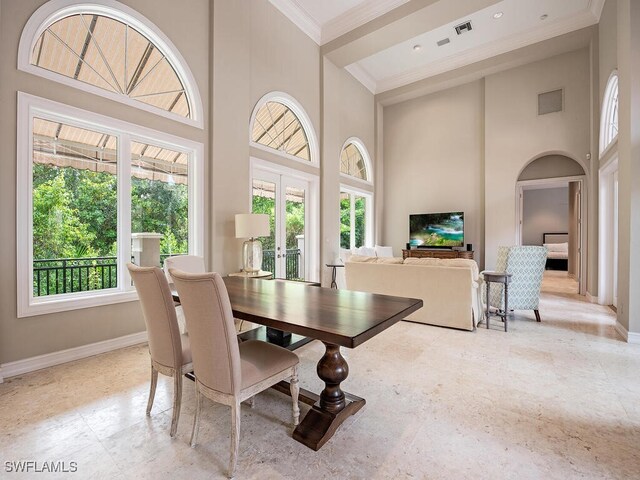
(334,267)
(503,278)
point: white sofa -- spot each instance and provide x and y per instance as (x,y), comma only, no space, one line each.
(448,288)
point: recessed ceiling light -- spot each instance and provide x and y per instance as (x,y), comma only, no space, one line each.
(543,16)
(497,15)
(417,48)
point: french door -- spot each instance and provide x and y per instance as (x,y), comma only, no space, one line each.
(286,200)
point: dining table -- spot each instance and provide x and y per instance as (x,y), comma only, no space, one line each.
(337,318)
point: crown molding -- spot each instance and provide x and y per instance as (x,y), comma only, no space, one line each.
(513,42)
(596,6)
(356,17)
(362,76)
(300,18)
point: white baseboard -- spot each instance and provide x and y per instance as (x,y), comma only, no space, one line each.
(629,337)
(633,338)
(19,367)
(622,331)
(591,298)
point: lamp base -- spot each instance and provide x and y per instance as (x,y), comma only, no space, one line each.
(252,256)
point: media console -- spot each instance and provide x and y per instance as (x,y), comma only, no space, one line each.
(436,253)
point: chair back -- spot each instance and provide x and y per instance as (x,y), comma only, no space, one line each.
(212,333)
(186,263)
(526,264)
(159,313)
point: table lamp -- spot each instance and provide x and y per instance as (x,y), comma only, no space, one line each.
(252,225)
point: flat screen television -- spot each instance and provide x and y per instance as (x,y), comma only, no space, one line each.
(436,230)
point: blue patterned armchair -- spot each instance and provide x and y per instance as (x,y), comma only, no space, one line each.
(526,264)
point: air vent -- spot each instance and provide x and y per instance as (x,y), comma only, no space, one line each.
(463,28)
(550,102)
(444,41)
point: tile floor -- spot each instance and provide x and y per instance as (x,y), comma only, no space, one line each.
(556,400)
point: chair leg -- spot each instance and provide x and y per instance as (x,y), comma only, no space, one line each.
(295,390)
(235,437)
(177,401)
(152,389)
(537,315)
(196,418)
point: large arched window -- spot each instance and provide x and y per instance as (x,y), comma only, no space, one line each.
(609,113)
(109,49)
(280,123)
(356,202)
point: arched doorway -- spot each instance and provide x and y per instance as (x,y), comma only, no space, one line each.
(550,193)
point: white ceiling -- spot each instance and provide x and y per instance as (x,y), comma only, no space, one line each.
(400,65)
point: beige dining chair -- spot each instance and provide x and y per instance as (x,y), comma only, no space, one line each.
(186,263)
(170,351)
(227,372)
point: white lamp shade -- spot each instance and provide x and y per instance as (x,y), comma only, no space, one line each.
(251,225)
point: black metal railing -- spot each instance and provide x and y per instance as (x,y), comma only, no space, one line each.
(292,263)
(67,275)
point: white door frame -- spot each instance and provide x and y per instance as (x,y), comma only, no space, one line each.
(312,209)
(607,233)
(554,183)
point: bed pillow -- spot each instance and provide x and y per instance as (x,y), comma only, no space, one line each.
(557,247)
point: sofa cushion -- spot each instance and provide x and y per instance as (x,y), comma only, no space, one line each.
(462,262)
(364,251)
(421,261)
(385,260)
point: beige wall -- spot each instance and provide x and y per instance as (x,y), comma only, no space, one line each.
(544,210)
(607,44)
(348,110)
(256,50)
(20,338)
(629,167)
(515,134)
(433,159)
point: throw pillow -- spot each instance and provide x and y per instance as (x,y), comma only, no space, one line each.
(384,251)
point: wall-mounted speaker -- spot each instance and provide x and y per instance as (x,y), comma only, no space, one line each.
(469,247)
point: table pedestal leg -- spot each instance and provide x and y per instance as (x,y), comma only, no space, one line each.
(334,405)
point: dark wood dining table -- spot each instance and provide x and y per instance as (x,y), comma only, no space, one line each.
(338,318)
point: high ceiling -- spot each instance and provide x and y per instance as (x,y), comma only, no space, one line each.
(401,46)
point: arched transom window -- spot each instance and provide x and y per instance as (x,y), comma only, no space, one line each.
(609,125)
(109,49)
(111,55)
(352,162)
(277,127)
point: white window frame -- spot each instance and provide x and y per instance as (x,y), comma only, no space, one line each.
(296,107)
(368,164)
(610,100)
(368,232)
(55,10)
(30,106)
(260,169)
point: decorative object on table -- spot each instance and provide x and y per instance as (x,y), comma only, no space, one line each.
(251,226)
(504,279)
(259,274)
(526,264)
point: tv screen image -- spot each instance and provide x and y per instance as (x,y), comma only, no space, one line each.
(437,230)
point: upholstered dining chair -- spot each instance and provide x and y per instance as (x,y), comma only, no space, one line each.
(526,264)
(186,263)
(170,351)
(227,372)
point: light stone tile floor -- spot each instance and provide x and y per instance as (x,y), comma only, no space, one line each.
(556,400)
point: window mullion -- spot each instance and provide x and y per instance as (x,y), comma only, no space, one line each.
(352,219)
(124,210)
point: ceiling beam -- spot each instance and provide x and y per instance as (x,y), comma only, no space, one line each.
(400,24)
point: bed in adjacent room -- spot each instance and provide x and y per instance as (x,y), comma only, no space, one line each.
(557,250)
